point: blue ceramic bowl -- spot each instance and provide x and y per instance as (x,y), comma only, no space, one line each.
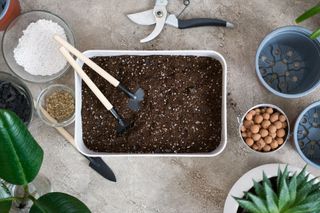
(288,61)
(306,134)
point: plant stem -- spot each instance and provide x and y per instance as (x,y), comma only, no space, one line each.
(26,190)
(18,198)
(23,200)
(28,195)
(32,198)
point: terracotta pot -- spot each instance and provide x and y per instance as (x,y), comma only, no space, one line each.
(10,12)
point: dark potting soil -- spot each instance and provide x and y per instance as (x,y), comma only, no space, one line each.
(273,181)
(180,113)
(14,98)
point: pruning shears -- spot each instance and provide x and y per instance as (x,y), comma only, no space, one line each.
(160,16)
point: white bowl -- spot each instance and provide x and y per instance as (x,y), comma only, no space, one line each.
(245,183)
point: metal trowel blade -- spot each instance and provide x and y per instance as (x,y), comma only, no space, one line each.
(123,126)
(139,94)
(134,104)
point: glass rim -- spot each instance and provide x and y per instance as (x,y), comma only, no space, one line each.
(72,41)
(42,94)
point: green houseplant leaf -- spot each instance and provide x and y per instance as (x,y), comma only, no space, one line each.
(20,155)
(315,34)
(309,13)
(58,202)
(248,205)
(271,198)
(284,194)
(5,198)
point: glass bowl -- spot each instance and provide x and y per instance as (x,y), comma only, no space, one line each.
(41,106)
(11,37)
(22,88)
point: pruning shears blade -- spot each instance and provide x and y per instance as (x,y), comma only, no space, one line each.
(160,13)
(143,18)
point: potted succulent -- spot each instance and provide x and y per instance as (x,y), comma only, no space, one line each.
(20,161)
(308,14)
(275,189)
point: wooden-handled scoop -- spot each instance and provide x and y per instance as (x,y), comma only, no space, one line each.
(96,163)
(122,124)
(135,98)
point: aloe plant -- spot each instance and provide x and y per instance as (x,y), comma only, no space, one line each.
(291,194)
(308,14)
(20,161)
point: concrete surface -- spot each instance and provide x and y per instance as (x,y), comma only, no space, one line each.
(171,184)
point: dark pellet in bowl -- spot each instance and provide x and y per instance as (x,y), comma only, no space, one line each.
(181,112)
(15,99)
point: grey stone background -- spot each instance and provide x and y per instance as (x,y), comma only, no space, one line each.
(171,184)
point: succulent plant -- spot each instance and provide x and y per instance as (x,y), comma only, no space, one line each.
(296,193)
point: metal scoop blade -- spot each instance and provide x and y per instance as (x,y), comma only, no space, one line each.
(134,103)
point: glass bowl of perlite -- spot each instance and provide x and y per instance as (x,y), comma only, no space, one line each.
(56,105)
(30,50)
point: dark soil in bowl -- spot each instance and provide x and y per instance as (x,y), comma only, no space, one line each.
(181,111)
(15,98)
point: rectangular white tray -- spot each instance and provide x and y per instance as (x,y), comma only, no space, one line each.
(78,93)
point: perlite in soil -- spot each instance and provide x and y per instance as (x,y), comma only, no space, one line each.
(37,52)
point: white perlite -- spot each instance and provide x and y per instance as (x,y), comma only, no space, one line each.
(37,51)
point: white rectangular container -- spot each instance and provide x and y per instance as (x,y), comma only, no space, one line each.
(78,93)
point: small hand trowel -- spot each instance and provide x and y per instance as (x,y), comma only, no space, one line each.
(122,124)
(135,98)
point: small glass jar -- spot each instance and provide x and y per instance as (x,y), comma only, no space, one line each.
(41,185)
(41,105)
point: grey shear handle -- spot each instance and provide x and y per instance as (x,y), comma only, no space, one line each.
(201,22)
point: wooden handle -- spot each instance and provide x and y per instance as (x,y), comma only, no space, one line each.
(66,135)
(61,130)
(87,61)
(86,79)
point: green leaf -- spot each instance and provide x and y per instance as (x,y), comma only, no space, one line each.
(5,198)
(258,202)
(293,188)
(309,13)
(301,177)
(271,198)
(305,190)
(279,176)
(258,189)
(266,180)
(282,177)
(20,155)
(316,187)
(315,34)
(58,202)
(313,198)
(247,205)
(284,196)
(304,208)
